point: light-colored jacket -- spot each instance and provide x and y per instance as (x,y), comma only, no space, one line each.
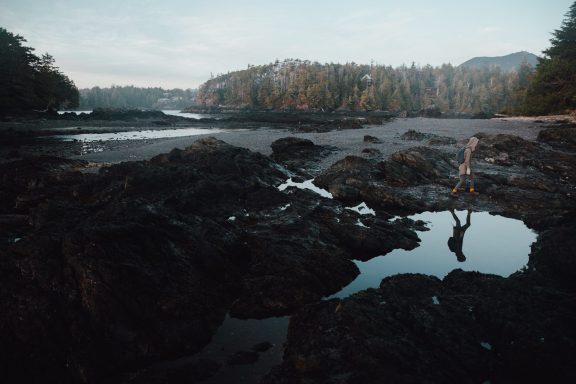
(470,147)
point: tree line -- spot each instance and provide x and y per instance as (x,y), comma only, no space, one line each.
(29,82)
(296,84)
(131,97)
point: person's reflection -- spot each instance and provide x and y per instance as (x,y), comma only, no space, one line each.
(457,240)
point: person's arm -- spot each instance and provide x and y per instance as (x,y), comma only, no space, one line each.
(467,157)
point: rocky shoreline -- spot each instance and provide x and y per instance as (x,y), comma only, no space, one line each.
(105,274)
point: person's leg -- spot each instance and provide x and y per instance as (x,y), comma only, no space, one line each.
(471,181)
(460,183)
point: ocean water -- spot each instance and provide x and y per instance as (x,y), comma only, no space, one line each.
(138,135)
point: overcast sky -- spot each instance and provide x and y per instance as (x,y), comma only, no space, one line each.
(179,43)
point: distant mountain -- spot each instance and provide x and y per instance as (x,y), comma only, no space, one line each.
(506,63)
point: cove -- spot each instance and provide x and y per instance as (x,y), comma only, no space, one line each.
(490,244)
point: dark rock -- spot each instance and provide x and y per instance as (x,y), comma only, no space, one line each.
(262,347)
(243,357)
(419,179)
(193,371)
(371,139)
(415,135)
(564,137)
(141,262)
(468,328)
(433,139)
(298,155)
(442,140)
(372,152)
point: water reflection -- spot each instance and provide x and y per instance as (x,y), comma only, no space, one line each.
(494,244)
(456,242)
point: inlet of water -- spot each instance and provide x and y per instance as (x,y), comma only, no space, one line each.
(139,135)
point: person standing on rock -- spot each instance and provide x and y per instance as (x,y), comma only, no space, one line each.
(465,169)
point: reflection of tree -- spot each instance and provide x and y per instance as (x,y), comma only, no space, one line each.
(456,242)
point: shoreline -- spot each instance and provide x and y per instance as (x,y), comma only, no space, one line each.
(259,139)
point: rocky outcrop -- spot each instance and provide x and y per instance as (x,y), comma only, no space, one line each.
(467,328)
(520,178)
(432,138)
(141,262)
(299,155)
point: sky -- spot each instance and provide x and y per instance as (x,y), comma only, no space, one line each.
(180,44)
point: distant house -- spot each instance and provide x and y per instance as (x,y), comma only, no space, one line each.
(368,79)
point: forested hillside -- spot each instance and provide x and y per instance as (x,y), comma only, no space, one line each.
(295,84)
(507,63)
(133,97)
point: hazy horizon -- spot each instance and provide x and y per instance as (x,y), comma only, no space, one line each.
(179,44)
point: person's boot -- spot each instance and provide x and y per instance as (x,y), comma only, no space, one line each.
(454,192)
(473,192)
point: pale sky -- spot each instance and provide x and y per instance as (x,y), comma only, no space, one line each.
(179,43)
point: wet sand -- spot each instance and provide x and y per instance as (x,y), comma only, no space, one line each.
(347,142)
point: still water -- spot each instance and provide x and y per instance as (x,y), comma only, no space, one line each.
(489,244)
(139,135)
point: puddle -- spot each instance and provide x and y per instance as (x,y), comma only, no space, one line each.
(491,244)
(139,135)
(305,185)
(236,335)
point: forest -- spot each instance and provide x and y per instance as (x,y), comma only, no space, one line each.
(296,84)
(131,97)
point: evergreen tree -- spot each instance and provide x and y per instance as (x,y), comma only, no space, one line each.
(553,89)
(28,82)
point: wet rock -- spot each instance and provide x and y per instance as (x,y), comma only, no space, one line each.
(262,347)
(372,152)
(141,262)
(562,137)
(433,139)
(468,328)
(415,135)
(298,155)
(372,139)
(196,370)
(552,257)
(243,357)
(442,140)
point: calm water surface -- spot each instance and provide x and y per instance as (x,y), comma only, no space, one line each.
(491,244)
